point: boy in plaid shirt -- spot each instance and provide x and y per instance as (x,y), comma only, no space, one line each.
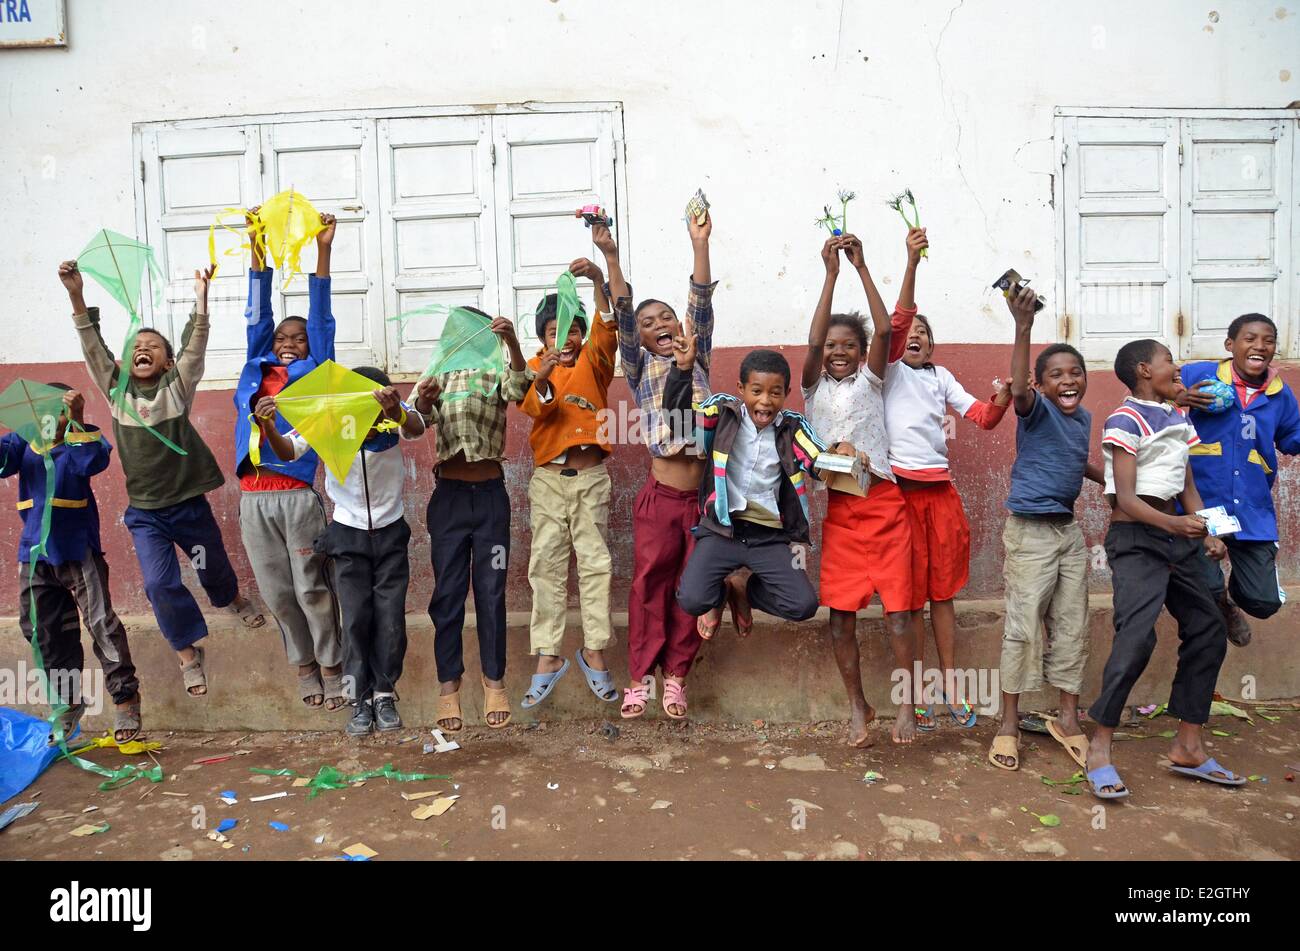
(660,634)
(469,521)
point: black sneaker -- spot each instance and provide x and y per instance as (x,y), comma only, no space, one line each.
(363,719)
(386,717)
(1238,628)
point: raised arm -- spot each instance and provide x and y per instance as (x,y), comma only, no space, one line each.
(100,362)
(1022,309)
(881,325)
(916,243)
(190,360)
(320,314)
(259,313)
(586,268)
(604,242)
(821,320)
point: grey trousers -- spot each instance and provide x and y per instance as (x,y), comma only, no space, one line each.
(279,529)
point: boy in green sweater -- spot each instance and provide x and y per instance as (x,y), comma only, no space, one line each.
(168,508)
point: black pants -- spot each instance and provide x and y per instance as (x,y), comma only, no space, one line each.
(1252,582)
(779,584)
(469,541)
(371,574)
(1151,569)
(65,595)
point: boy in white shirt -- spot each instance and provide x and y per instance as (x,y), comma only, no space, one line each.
(368,540)
(1154,556)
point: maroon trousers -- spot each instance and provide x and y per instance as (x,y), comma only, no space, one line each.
(659,633)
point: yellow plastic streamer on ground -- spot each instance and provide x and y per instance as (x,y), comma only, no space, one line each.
(282,227)
(332,408)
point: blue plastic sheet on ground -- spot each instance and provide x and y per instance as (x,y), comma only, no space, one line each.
(25,752)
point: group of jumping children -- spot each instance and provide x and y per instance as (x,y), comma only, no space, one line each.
(722,519)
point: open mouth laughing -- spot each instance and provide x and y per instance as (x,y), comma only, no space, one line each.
(1068,398)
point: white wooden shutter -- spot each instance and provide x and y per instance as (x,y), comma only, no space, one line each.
(333,164)
(547,166)
(189,176)
(438,231)
(1121,240)
(1235,229)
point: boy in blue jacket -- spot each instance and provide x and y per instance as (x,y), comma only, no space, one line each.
(280,513)
(70,575)
(1236,464)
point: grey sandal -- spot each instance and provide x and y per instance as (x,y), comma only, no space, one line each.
(194,675)
(126,719)
(310,686)
(68,721)
(334,695)
(246,611)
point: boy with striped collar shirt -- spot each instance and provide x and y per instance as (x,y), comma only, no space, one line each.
(1154,555)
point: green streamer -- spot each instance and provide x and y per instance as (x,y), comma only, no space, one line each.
(330,778)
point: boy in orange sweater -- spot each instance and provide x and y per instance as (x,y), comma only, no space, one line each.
(570,489)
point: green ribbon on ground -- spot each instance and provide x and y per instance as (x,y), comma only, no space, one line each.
(330,778)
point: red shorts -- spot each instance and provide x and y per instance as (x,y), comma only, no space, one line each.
(940,542)
(864,545)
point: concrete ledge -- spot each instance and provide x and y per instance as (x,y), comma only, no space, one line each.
(782,673)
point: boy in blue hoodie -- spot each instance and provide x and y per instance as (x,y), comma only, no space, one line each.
(1236,464)
(70,575)
(280,513)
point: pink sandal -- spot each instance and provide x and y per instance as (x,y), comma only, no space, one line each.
(674,695)
(638,695)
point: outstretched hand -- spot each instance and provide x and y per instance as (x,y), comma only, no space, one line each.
(851,245)
(916,243)
(71,277)
(831,255)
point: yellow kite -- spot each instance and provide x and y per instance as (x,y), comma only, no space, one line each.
(282,227)
(332,408)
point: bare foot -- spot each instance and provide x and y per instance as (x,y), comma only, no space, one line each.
(905,724)
(859,718)
(595,659)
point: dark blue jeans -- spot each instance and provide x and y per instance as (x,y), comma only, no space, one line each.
(157,534)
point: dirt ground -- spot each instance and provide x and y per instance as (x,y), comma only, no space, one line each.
(674,791)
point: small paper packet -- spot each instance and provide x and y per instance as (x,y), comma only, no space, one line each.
(1219,522)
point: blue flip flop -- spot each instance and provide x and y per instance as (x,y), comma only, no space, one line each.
(1206,772)
(542,685)
(971,717)
(601,682)
(1106,776)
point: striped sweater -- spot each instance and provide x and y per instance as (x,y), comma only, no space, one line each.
(156,476)
(717,420)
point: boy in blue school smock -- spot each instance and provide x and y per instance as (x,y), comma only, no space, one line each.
(1236,464)
(70,575)
(280,512)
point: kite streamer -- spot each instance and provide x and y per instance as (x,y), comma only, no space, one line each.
(282,226)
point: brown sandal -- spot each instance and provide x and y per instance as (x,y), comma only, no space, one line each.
(448,709)
(495,700)
(311,689)
(1007,747)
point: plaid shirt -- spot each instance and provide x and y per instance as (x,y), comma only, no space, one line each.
(468,421)
(647,372)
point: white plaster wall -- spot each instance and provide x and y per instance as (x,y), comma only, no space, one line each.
(767,104)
